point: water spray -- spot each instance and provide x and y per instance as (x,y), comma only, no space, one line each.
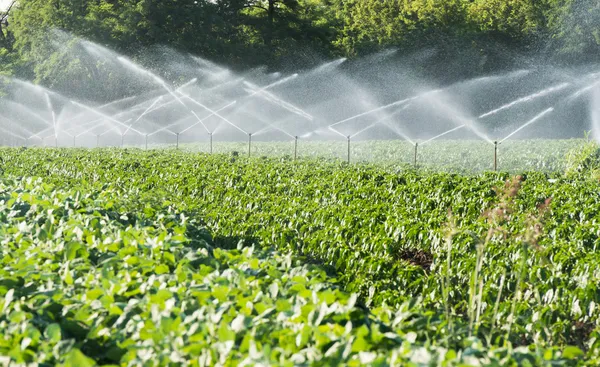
(215,113)
(528,98)
(443,134)
(536,118)
(106,116)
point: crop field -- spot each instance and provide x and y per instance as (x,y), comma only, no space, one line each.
(166,257)
(466,156)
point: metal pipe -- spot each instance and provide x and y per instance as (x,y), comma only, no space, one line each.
(249,143)
(416,152)
(495,156)
(122,140)
(296,147)
(177,144)
(348,149)
(211,142)
(97,141)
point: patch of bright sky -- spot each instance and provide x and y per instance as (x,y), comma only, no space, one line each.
(4,4)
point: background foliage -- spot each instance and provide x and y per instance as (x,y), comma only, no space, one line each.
(489,34)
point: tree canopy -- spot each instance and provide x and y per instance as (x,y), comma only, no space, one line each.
(294,33)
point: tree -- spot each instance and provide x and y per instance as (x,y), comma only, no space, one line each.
(575,29)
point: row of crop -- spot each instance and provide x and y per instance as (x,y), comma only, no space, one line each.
(85,281)
(375,228)
(450,155)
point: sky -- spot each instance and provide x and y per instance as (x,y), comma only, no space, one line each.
(4,4)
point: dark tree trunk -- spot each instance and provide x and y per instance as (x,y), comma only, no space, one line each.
(270,23)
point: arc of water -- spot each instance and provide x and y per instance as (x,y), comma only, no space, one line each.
(24,108)
(397,103)
(200,121)
(528,98)
(215,113)
(399,132)
(116,102)
(37,135)
(105,116)
(443,134)
(337,132)
(97,126)
(583,91)
(536,118)
(258,89)
(266,128)
(153,76)
(223,85)
(166,128)
(143,114)
(90,129)
(112,128)
(139,105)
(15,126)
(71,129)
(382,121)
(286,105)
(101,107)
(51,108)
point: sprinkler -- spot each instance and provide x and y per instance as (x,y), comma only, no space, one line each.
(296,147)
(146,141)
(122,140)
(249,143)
(416,151)
(495,155)
(97,141)
(349,149)
(211,148)
(177,144)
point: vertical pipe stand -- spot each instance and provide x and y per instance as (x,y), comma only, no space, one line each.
(211,147)
(177,143)
(146,141)
(349,149)
(416,152)
(249,144)
(295,147)
(495,156)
